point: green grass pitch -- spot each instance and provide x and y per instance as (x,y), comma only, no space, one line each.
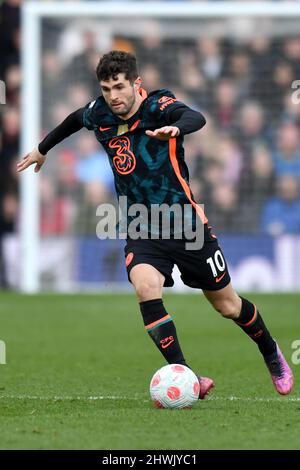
(78,371)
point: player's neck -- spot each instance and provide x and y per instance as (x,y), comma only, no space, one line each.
(134,109)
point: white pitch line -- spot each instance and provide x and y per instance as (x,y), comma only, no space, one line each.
(66,398)
(143,399)
(274,399)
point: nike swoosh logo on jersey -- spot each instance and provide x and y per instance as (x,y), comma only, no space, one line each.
(218,279)
(102,129)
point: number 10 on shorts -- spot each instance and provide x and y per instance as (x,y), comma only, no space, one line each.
(217,263)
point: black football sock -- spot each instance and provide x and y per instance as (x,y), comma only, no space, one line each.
(252,324)
(161,329)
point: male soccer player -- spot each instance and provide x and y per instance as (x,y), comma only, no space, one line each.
(143,137)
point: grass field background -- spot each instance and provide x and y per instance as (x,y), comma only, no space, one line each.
(79,366)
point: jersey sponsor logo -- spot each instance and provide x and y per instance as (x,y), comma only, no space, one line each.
(124,161)
(166,101)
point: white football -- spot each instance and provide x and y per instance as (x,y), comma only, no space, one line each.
(174,386)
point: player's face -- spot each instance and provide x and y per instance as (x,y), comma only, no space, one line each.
(119,94)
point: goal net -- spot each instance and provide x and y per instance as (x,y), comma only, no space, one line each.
(238,64)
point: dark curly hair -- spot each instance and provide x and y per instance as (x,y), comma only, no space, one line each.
(115,62)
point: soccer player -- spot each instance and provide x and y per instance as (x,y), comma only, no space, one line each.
(143,138)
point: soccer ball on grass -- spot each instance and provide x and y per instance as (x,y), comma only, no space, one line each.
(174,386)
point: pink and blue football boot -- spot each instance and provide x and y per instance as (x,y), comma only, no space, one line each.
(281,374)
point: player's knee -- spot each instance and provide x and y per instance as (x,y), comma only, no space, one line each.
(148,289)
(228,309)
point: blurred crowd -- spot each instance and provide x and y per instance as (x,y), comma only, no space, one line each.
(10,73)
(244,165)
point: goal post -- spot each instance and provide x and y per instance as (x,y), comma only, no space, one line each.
(32,15)
(29,215)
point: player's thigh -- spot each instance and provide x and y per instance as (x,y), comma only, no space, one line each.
(226,301)
(147,281)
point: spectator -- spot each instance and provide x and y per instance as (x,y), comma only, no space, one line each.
(261,178)
(239,71)
(281,214)
(13,84)
(286,157)
(52,71)
(92,163)
(8,214)
(230,157)
(10,138)
(78,95)
(93,194)
(225,104)
(291,48)
(291,111)
(151,77)
(281,80)
(81,69)
(193,81)
(256,187)
(262,52)
(223,213)
(252,129)
(53,210)
(9,34)
(210,58)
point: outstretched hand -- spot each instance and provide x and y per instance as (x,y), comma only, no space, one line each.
(164,133)
(30,159)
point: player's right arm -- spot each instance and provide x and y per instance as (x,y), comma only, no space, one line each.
(72,124)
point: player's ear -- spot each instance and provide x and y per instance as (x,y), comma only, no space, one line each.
(137,83)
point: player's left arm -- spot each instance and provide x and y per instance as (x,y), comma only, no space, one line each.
(181,120)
